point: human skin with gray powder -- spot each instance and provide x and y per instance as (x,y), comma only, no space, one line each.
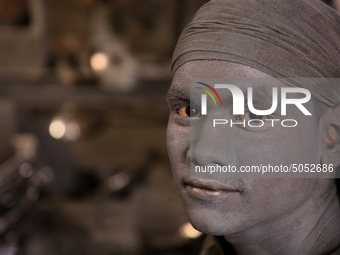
(260,216)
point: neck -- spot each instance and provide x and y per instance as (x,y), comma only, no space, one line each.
(312,229)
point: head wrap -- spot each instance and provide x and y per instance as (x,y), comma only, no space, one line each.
(283,38)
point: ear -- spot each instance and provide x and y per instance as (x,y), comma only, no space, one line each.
(332,152)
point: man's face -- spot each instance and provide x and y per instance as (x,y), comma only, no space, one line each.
(227,206)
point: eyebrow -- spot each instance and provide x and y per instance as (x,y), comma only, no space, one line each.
(176,93)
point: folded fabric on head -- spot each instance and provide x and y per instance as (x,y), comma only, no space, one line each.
(285,39)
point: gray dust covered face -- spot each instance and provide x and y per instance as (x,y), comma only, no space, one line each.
(252,40)
(228,206)
(239,146)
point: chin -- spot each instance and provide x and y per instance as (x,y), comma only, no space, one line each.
(205,228)
(212,222)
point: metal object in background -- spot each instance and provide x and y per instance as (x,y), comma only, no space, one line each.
(20,181)
(18,184)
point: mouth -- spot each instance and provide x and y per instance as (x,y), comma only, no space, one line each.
(209,189)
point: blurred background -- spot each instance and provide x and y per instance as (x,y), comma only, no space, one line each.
(83,160)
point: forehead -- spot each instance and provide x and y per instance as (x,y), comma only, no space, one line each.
(219,69)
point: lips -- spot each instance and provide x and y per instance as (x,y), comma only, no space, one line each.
(209,189)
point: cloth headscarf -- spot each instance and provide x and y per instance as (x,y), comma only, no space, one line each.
(283,38)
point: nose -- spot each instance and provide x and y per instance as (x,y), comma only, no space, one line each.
(212,145)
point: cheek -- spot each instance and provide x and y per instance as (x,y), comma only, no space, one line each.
(280,146)
(279,197)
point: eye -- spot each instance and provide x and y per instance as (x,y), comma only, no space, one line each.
(188,111)
(250,116)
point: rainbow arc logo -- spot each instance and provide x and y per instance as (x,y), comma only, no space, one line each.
(209,93)
(204,97)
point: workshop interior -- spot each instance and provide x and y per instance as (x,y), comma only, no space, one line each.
(84,168)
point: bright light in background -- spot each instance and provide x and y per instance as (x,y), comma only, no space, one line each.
(66,129)
(188,231)
(99,61)
(119,181)
(57,128)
